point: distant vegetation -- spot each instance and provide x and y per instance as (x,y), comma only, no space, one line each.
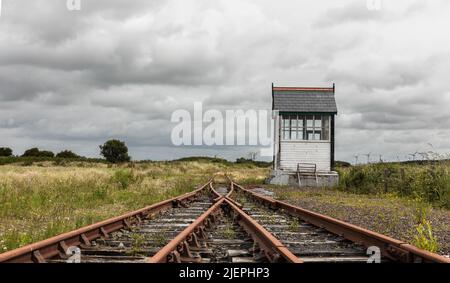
(35,152)
(202,158)
(115,151)
(253,162)
(342,164)
(428,181)
(5,151)
(29,161)
(224,161)
(67,154)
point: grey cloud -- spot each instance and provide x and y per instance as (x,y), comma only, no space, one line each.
(384,76)
(356,11)
(120,68)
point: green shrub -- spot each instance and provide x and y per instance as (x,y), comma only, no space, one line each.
(46,153)
(124,177)
(67,154)
(425,238)
(428,182)
(31,152)
(35,152)
(5,151)
(100,193)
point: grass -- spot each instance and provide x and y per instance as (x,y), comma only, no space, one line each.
(425,238)
(428,181)
(44,199)
(228,231)
(138,242)
(294,224)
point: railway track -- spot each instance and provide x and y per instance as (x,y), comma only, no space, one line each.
(306,241)
(343,241)
(126,238)
(219,222)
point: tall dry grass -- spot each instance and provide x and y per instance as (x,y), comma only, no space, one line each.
(43,200)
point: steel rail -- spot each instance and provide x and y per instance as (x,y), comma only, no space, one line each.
(178,250)
(219,195)
(227,196)
(273,249)
(58,245)
(391,248)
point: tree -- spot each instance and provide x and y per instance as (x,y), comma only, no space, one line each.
(31,152)
(46,153)
(5,151)
(67,154)
(115,151)
(35,152)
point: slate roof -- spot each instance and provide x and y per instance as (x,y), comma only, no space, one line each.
(304,99)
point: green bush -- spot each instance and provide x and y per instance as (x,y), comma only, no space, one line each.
(124,177)
(5,151)
(67,154)
(427,182)
(31,152)
(35,152)
(46,153)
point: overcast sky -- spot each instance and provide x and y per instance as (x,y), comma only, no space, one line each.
(117,69)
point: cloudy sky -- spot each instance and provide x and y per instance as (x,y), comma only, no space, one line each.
(118,69)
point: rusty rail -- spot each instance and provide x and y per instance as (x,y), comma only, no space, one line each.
(391,248)
(40,251)
(273,249)
(179,249)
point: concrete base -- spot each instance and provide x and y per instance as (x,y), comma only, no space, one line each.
(324,179)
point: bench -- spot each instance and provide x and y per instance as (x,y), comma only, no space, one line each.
(307,170)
